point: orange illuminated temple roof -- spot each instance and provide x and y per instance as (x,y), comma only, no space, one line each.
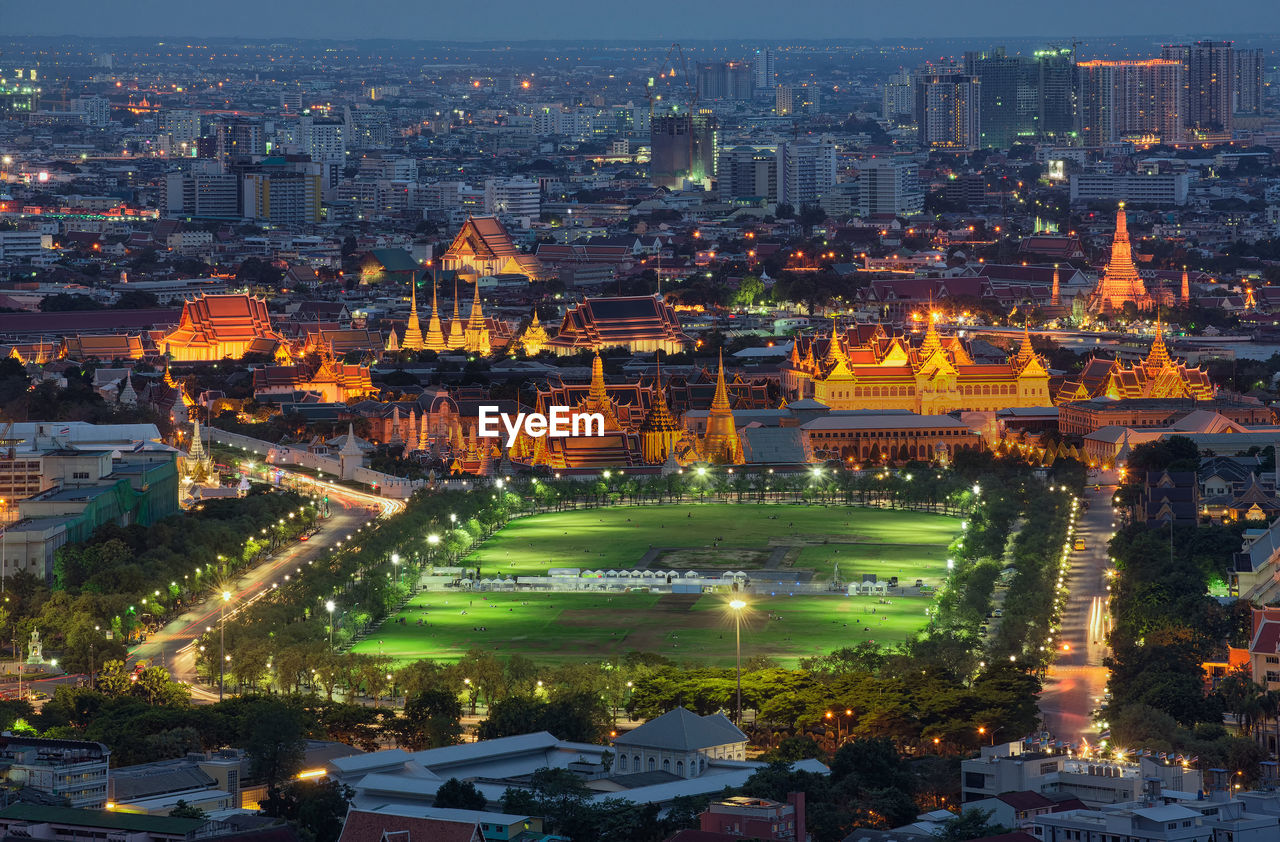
(217,326)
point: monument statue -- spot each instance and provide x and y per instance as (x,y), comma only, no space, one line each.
(35,652)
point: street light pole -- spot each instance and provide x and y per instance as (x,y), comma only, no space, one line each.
(222,643)
(329,606)
(737,605)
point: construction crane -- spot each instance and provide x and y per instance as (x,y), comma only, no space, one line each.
(673,65)
(680,86)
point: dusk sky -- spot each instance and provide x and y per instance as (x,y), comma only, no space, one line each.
(658,19)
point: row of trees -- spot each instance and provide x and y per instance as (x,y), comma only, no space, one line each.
(1165,626)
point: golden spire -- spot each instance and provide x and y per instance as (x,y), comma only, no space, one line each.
(477,332)
(932,341)
(435,334)
(658,431)
(721,443)
(721,400)
(457,337)
(598,396)
(835,353)
(413,331)
(1186,285)
(1159,356)
(1025,352)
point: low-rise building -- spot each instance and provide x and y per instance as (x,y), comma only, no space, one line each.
(1009,767)
(72,769)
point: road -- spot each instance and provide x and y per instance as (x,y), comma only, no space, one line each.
(174,645)
(1077,679)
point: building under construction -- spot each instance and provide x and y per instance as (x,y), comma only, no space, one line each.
(684,147)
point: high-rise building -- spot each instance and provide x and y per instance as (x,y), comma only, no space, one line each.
(1056,70)
(784,101)
(948,108)
(325,140)
(282,193)
(368,126)
(1143,99)
(1209,68)
(806,170)
(1248,83)
(886,185)
(1023,98)
(899,98)
(181,126)
(96,109)
(204,191)
(732,80)
(766,73)
(684,146)
(238,140)
(512,198)
(747,172)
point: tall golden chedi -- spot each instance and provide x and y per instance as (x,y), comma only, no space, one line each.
(457,335)
(413,330)
(720,444)
(476,335)
(435,333)
(1120,282)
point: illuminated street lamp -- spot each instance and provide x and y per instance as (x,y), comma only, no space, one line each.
(329,606)
(222,643)
(395,565)
(737,605)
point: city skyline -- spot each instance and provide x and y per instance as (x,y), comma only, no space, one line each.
(506,20)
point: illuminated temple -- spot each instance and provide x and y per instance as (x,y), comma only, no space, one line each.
(639,427)
(1157,376)
(639,323)
(866,368)
(214,327)
(484,248)
(1120,283)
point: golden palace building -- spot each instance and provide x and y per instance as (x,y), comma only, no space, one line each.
(866,368)
(484,248)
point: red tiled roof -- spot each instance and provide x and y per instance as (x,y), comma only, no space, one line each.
(362,826)
(1025,800)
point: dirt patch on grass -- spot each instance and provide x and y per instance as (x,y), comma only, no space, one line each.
(718,558)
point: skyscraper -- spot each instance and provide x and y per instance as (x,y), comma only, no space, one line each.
(1247,84)
(749,172)
(899,98)
(806,170)
(784,101)
(733,80)
(239,139)
(1210,76)
(1023,98)
(684,146)
(765,73)
(1141,99)
(948,108)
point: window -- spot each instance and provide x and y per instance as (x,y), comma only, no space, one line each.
(975,780)
(1273,659)
(622,763)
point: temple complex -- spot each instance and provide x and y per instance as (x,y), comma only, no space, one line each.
(1120,282)
(1157,376)
(639,323)
(484,248)
(866,368)
(321,374)
(214,327)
